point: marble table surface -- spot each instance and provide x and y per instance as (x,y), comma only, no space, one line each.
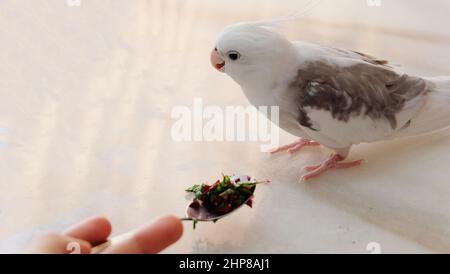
(86,94)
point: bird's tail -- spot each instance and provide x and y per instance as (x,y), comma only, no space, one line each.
(435,114)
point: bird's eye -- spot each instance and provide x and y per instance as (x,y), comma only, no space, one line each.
(234,55)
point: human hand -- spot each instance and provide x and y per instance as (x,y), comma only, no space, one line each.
(83,237)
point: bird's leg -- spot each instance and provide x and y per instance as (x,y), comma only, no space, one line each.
(335,161)
(295,146)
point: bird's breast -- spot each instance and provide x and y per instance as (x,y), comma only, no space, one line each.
(282,99)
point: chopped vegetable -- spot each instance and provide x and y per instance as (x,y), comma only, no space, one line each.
(224,195)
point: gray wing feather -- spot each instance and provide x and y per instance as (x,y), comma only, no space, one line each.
(359,88)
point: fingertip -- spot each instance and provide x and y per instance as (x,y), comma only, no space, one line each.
(174,225)
(160,234)
(94,230)
(103,225)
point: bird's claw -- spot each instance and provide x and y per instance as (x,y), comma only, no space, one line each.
(333,162)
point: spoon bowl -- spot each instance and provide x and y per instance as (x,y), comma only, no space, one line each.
(197,212)
(202,214)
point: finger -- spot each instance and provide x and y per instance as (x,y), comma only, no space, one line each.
(58,244)
(150,239)
(94,230)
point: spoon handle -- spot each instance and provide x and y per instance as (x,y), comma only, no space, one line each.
(101,247)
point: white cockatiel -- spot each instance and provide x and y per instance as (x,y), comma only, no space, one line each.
(329,96)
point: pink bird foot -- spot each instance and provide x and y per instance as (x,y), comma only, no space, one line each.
(333,162)
(295,147)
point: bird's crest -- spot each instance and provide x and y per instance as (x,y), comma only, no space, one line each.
(277,24)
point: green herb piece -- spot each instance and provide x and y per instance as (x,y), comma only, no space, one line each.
(197,190)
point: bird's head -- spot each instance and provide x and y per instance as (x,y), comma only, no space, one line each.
(251,52)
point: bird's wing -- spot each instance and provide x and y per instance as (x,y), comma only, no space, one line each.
(364,100)
(361,56)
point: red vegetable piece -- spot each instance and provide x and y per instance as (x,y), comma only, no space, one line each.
(195,205)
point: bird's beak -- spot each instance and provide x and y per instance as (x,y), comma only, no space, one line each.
(217,61)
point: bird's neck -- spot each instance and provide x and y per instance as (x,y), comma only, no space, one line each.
(265,87)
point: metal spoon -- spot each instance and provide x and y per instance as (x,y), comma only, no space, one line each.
(199,214)
(202,214)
